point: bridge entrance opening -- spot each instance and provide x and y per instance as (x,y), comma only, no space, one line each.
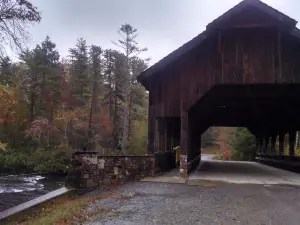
(268,111)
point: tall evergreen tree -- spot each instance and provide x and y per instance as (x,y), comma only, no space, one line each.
(131,49)
(80,76)
(50,86)
(137,94)
(97,80)
(6,71)
(43,79)
(119,99)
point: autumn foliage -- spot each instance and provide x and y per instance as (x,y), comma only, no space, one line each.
(227,154)
(51,107)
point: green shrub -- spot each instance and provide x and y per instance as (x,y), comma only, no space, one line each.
(243,145)
(14,161)
(33,161)
(49,161)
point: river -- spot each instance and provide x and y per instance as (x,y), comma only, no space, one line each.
(16,189)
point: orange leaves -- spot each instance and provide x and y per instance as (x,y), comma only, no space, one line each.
(11,102)
(68,100)
(227,154)
(7,103)
(106,123)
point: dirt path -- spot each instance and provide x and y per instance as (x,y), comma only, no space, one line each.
(211,203)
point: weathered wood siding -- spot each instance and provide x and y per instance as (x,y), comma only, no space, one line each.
(235,56)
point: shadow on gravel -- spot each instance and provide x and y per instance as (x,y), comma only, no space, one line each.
(207,183)
(218,184)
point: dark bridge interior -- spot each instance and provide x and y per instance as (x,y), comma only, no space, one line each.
(242,71)
(266,110)
(257,107)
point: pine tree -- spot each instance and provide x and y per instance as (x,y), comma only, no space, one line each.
(80,77)
(6,71)
(43,82)
(131,49)
(119,100)
(109,78)
(97,80)
(32,83)
(137,93)
(50,86)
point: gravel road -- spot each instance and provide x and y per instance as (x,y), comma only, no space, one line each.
(209,203)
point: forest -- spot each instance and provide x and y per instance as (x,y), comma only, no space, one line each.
(53,105)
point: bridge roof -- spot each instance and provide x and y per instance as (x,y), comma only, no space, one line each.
(217,23)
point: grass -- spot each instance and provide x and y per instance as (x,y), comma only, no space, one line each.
(218,156)
(210,150)
(66,210)
(61,211)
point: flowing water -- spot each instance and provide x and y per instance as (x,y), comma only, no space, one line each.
(16,189)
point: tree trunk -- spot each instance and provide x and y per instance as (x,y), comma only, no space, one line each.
(110,96)
(115,130)
(126,110)
(93,103)
(125,126)
(129,115)
(32,104)
(110,88)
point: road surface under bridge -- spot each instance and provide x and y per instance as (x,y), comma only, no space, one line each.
(234,172)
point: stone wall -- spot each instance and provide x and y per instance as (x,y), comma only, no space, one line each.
(90,170)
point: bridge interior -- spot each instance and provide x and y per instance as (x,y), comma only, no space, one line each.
(241,173)
(270,112)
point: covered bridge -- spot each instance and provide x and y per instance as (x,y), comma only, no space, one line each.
(242,71)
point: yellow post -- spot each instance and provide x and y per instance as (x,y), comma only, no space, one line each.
(177,158)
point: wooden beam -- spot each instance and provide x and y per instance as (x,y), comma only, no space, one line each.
(279,78)
(292,138)
(273,141)
(281,144)
(151,121)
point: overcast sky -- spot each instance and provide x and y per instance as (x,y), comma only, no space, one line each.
(163,25)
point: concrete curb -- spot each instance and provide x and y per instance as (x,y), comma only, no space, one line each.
(32,203)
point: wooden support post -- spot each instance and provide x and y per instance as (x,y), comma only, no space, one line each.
(184,144)
(266,139)
(194,148)
(151,123)
(162,135)
(297,140)
(273,141)
(156,136)
(281,144)
(292,138)
(168,138)
(257,145)
(261,144)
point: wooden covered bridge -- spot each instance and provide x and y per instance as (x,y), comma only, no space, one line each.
(242,71)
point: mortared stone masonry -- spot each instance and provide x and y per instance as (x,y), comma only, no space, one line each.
(89,170)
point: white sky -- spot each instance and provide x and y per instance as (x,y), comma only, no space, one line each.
(163,25)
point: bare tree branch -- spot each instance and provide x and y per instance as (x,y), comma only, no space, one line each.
(15,15)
